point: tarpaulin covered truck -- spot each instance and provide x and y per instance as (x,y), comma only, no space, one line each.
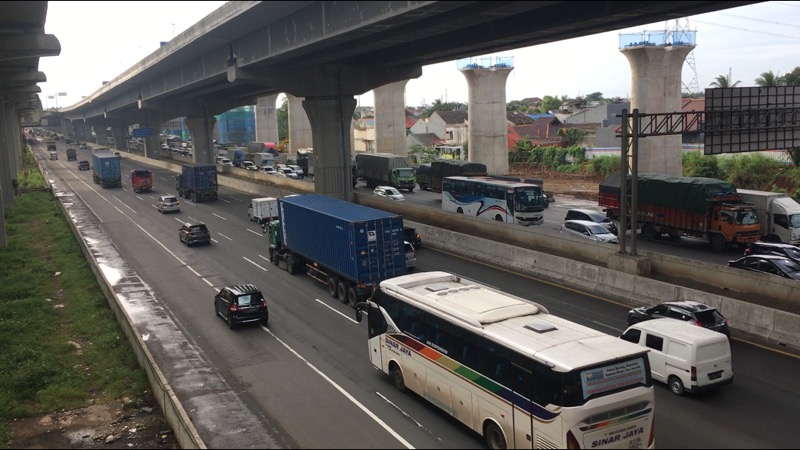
(385,169)
(350,248)
(106,170)
(197,182)
(705,208)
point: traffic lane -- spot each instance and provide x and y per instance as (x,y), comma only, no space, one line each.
(226,266)
(256,367)
(764,379)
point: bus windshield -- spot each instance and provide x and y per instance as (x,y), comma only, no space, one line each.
(528,198)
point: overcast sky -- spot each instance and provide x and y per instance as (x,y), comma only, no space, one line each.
(100,40)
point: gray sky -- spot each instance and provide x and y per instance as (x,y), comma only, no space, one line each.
(100,40)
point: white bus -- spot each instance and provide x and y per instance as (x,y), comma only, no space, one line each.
(506,368)
(494,199)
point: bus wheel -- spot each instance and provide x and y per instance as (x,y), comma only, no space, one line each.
(333,284)
(352,296)
(499,218)
(676,385)
(397,378)
(494,436)
(459,210)
(341,291)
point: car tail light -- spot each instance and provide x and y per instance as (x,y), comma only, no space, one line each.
(748,251)
(233,307)
(652,439)
(694,322)
(263,302)
(694,373)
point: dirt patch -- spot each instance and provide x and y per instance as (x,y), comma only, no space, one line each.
(114,426)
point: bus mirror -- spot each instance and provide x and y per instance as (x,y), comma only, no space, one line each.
(360,311)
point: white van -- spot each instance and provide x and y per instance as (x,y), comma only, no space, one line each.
(685,356)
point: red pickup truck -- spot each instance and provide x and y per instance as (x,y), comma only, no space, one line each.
(141,180)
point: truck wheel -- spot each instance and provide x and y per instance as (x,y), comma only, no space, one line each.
(341,291)
(411,189)
(352,296)
(194,197)
(649,231)
(333,285)
(718,243)
(424,187)
(290,261)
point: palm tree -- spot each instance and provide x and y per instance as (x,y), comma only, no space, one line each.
(768,79)
(724,81)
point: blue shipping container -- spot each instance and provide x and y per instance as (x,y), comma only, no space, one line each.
(106,169)
(200,177)
(364,245)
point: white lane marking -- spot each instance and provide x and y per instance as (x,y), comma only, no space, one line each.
(264,258)
(214,241)
(215,214)
(347,395)
(139,197)
(222,199)
(124,204)
(255,264)
(254,232)
(226,237)
(334,310)
(407,416)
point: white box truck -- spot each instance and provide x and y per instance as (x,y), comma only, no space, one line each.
(778,215)
(262,210)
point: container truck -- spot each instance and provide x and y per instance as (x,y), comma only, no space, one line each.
(261,159)
(350,248)
(705,208)
(51,144)
(262,210)
(197,182)
(106,170)
(385,169)
(778,215)
(141,180)
(72,154)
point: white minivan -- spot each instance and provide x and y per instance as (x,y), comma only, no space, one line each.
(685,356)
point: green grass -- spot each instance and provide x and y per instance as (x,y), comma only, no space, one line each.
(61,344)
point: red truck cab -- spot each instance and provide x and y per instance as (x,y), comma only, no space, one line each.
(141,180)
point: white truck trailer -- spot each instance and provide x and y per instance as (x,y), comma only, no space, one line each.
(778,215)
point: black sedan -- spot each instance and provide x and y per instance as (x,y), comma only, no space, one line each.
(774,248)
(769,264)
(690,311)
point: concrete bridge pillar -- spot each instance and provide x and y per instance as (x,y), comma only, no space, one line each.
(6,155)
(656,88)
(120,133)
(300,130)
(330,119)
(202,131)
(488,141)
(66,128)
(267,119)
(80,130)
(390,118)
(152,120)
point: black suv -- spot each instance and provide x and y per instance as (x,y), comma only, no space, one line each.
(592,216)
(769,248)
(690,311)
(194,233)
(241,303)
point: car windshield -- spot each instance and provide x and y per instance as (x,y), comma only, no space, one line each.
(196,228)
(790,267)
(391,191)
(170,199)
(708,317)
(597,229)
(248,299)
(793,252)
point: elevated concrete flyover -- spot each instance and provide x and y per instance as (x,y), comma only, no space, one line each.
(22,42)
(329,52)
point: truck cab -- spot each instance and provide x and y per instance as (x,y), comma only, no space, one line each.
(737,223)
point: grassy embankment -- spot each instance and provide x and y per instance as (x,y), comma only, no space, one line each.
(61,345)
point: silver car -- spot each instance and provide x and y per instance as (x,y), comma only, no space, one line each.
(411,256)
(168,203)
(590,230)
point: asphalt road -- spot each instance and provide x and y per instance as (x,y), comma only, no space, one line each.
(307,377)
